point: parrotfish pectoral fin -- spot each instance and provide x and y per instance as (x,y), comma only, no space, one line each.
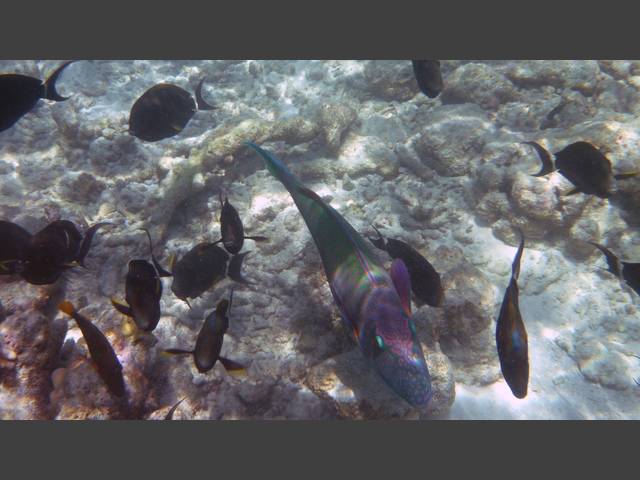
(121,307)
(233,368)
(545,158)
(402,282)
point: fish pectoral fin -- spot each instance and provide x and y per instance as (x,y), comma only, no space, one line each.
(402,282)
(257,238)
(573,191)
(176,351)
(122,307)
(622,176)
(233,368)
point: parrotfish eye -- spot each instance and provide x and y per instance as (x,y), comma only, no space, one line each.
(380,342)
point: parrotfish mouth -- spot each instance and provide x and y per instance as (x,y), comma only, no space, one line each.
(408,378)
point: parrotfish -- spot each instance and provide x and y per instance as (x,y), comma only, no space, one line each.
(19,94)
(163,111)
(511,336)
(425,280)
(428,76)
(628,271)
(101,351)
(231,228)
(583,165)
(374,304)
(209,342)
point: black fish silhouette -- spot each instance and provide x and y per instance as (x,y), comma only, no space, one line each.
(143,291)
(101,351)
(231,228)
(14,241)
(20,93)
(511,336)
(198,270)
(583,165)
(163,111)
(425,280)
(428,76)
(628,271)
(209,342)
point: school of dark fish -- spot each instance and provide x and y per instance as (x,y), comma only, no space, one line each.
(383,327)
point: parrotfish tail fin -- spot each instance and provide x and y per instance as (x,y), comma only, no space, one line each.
(235,267)
(202,105)
(623,176)
(161,271)
(257,238)
(233,368)
(612,261)
(121,307)
(334,237)
(177,351)
(515,266)
(545,158)
(86,241)
(401,280)
(169,415)
(67,307)
(378,242)
(50,92)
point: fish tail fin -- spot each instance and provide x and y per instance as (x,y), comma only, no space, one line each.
(121,307)
(277,168)
(515,266)
(86,242)
(161,271)
(67,307)
(235,267)
(378,242)
(201,103)
(545,158)
(623,176)
(233,368)
(50,92)
(612,261)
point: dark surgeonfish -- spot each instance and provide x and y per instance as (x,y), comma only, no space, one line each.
(231,228)
(583,165)
(100,349)
(628,271)
(209,342)
(511,336)
(374,304)
(425,280)
(198,270)
(163,111)
(20,93)
(143,291)
(428,76)
(172,410)
(43,257)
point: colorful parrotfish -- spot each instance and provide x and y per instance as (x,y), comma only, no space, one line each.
(374,304)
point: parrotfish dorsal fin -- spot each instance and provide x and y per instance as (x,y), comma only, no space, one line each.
(545,158)
(402,282)
(515,266)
